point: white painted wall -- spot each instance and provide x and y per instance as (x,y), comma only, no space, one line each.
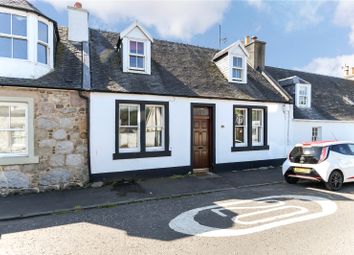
(30,68)
(102,140)
(331,130)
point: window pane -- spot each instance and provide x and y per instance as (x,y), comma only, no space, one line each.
(133,48)
(240,117)
(140,63)
(133,111)
(154,116)
(18,117)
(5,23)
(237,62)
(42,32)
(257,117)
(132,61)
(20,49)
(123,115)
(239,135)
(154,137)
(19,25)
(128,137)
(141,48)
(5,142)
(236,74)
(5,47)
(42,53)
(18,141)
(4,117)
(257,134)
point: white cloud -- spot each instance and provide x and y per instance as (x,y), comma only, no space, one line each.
(329,66)
(171,18)
(256,3)
(344,17)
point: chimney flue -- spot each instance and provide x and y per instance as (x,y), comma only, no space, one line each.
(78,5)
(256,51)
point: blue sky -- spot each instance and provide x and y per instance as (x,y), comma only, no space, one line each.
(316,36)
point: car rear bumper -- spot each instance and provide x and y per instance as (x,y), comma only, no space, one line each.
(312,174)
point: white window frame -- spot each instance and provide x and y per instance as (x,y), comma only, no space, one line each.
(29,157)
(12,36)
(237,68)
(137,55)
(162,147)
(316,134)
(259,128)
(138,126)
(46,44)
(299,101)
(245,128)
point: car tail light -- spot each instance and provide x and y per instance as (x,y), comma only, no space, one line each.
(324,154)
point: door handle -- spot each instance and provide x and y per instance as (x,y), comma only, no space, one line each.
(200,147)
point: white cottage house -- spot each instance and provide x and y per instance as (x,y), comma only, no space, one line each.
(80,104)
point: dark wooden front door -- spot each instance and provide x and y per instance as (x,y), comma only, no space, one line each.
(201,137)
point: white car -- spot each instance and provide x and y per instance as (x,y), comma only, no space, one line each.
(331,162)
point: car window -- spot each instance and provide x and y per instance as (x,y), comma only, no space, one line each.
(351,147)
(342,149)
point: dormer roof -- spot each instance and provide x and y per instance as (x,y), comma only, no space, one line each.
(230,47)
(292,80)
(133,26)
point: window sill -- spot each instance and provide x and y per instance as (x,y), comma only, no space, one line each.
(20,160)
(147,154)
(253,148)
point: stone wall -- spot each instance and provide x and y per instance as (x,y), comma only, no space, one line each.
(60,141)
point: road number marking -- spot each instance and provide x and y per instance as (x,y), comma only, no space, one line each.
(186,224)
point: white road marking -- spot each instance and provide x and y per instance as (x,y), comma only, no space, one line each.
(186,224)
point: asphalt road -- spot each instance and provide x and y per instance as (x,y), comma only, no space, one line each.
(296,219)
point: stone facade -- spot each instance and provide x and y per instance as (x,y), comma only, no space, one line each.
(60,142)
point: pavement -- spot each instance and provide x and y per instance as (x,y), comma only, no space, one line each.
(58,202)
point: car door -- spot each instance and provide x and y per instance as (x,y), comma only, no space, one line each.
(344,159)
(350,175)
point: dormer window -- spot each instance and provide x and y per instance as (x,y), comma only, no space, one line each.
(303,95)
(136,55)
(136,49)
(232,62)
(237,67)
(42,45)
(13,36)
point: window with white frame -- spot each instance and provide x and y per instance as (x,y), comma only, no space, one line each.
(240,127)
(316,133)
(42,45)
(237,68)
(13,129)
(129,127)
(136,55)
(13,36)
(257,127)
(304,93)
(154,131)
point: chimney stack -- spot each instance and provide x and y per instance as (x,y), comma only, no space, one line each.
(348,72)
(256,51)
(78,23)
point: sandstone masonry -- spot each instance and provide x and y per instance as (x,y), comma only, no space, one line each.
(60,141)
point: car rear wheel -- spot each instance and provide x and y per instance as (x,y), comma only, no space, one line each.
(335,181)
(291,180)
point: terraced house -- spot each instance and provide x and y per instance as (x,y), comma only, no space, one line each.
(80,104)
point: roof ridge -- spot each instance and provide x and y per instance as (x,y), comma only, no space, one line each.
(300,71)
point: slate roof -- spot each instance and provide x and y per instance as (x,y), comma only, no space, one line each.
(332,97)
(67,73)
(176,69)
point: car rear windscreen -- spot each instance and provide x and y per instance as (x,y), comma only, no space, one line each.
(305,155)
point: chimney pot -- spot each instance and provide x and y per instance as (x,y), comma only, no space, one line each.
(78,5)
(254,38)
(247,40)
